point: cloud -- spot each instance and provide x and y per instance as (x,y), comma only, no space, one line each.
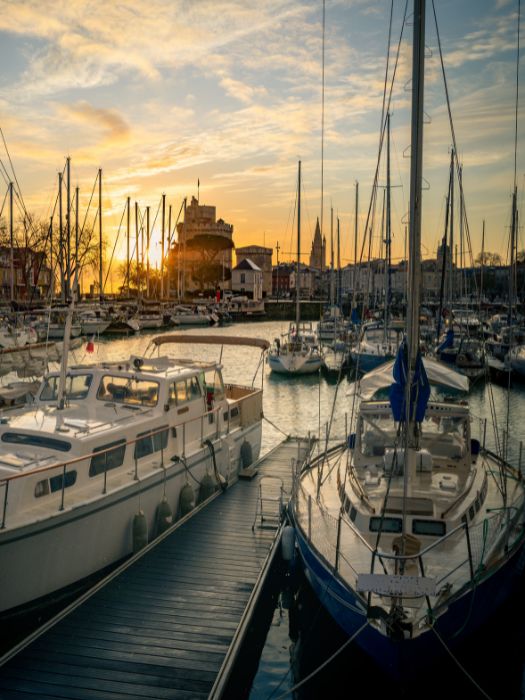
(108,120)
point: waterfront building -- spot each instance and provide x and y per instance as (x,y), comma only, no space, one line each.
(281,280)
(200,220)
(247,279)
(262,257)
(31,274)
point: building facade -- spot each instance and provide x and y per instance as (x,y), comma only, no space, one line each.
(262,257)
(247,279)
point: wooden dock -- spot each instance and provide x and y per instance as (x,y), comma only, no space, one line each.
(170,622)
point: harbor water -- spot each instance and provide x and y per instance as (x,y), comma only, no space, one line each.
(301,652)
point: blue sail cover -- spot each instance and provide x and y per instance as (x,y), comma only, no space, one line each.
(419,392)
(448,342)
(355,317)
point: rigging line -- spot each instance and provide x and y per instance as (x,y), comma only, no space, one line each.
(10,161)
(459,665)
(453,134)
(276,426)
(382,131)
(324,664)
(114,246)
(3,203)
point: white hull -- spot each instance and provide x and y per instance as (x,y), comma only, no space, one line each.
(94,327)
(75,543)
(294,363)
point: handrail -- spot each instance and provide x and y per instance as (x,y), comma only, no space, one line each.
(64,464)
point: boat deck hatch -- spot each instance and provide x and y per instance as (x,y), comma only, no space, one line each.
(411,505)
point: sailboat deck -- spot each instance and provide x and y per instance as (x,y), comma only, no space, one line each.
(169,623)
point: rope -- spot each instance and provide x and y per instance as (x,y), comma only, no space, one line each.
(276,427)
(324,664)
(462,668)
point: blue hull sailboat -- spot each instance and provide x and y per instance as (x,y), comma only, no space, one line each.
(411,533)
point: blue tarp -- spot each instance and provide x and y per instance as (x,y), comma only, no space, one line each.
(448,342)
(420,390)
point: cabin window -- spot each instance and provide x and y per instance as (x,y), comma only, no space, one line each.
(127,390)
(76,387)
(37,441)
(184,390)
(353,513)
(111,456)
(46,486)
(435,528)
(386,524)
(214,387)
(149,443)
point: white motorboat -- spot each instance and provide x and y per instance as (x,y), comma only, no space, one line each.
(108,456)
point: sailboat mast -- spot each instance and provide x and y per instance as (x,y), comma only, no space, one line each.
(297,284)
(127,242)
(416,166)
(100,281)
(11,242)
(355,242)
(388,300)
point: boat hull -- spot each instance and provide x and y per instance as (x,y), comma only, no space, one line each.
(296,365)
(45,558)
(397,657)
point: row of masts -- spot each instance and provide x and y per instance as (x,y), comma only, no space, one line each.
(67,251)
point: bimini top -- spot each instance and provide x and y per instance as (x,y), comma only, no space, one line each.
(211,340)
(437,373)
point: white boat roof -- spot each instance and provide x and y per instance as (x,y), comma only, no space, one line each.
(437,373)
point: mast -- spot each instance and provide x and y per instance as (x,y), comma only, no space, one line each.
(297,284)
(444,249)
(162,247)
(416,165)
(147,252)
(61,241)
(338,279)
(388,241)
(168,286)
(77,191)
(11,242)
(332,283)
(355,242)
(137,246)
(100,282)
(127,242)
(68,225)
(451,285)
(482,263)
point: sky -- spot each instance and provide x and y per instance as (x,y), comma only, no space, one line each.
(165,94)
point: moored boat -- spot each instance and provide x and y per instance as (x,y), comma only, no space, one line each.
(108,456)
(411,533)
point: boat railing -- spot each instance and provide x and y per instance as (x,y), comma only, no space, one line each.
(349,554)
(208,426)
(500,445)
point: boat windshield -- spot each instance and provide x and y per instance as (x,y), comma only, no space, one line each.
(377,433)
(126,390)
(77,387)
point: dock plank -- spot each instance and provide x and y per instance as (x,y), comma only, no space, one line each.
(168,625)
